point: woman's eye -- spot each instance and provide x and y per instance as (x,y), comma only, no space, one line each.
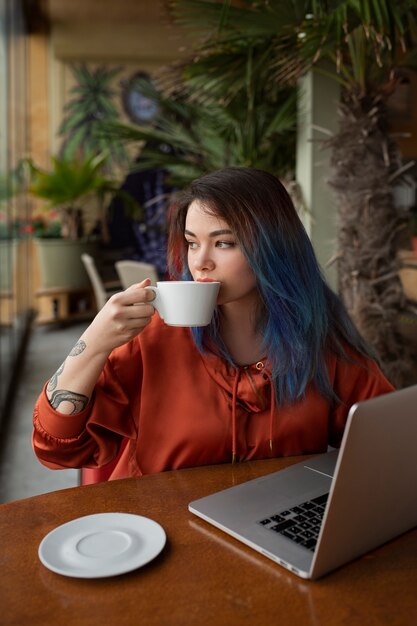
(191,244)
(225,244)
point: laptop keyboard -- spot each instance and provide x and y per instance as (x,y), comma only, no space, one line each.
(301,523)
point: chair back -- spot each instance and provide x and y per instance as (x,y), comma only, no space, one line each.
(99,290)
(131,272)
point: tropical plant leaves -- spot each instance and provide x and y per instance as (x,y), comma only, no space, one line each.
(68,181)
(90,106)
(363,39)
(201,127)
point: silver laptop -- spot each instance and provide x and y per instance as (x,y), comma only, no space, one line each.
(317,515)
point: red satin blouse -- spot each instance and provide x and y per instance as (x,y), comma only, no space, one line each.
(160,404)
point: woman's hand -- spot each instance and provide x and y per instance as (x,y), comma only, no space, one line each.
(124,316)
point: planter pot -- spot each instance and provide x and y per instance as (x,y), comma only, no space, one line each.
(60,262)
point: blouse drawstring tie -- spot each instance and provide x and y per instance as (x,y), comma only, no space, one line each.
(259,366)
(234,400)
(271,410)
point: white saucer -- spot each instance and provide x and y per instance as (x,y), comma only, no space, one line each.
(105,544)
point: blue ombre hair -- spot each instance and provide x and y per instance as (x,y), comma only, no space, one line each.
(300,318)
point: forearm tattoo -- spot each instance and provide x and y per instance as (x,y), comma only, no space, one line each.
(78,401)
(54,379)
(79,347)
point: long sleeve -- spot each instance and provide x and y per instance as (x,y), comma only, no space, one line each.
(92,437)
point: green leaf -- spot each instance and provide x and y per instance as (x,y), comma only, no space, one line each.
(90,107)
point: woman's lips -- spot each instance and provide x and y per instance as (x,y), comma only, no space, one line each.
(205,280)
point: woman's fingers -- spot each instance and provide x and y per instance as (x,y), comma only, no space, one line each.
(135,294)
(133,303)
(123,316)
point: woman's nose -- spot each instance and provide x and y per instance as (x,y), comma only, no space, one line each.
(203,261)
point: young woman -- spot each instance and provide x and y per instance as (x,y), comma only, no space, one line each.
(273,375)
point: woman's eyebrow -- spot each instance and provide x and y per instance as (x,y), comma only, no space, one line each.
(214,233)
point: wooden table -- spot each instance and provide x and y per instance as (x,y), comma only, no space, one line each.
(202,577)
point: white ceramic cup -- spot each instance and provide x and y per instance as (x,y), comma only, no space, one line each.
(185,303)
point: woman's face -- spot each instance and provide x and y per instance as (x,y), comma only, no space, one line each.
(214,254)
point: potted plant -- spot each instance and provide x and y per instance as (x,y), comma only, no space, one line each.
(76,190)
(91,103)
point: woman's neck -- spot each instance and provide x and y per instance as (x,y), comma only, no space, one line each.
(239,332)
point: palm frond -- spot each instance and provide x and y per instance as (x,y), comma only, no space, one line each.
(89,106)
(299,34)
